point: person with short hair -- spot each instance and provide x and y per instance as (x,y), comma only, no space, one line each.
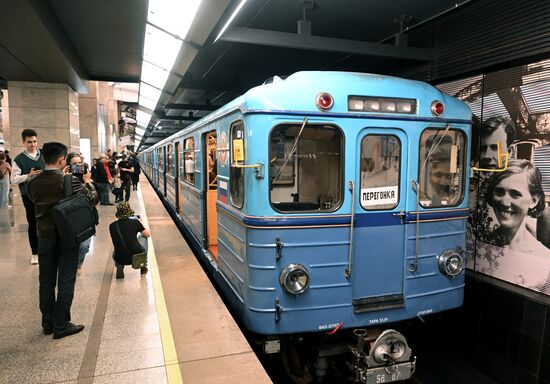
(494,130)
(58,263)
(5,172)
(137,171)
(28,163)
(126,169)
(133,241)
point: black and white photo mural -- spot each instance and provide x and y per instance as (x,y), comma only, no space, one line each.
(509,225)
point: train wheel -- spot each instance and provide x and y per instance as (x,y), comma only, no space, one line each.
(295,367)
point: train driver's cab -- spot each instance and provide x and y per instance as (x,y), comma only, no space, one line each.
(305,167)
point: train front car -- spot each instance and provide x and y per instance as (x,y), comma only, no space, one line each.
(352,212)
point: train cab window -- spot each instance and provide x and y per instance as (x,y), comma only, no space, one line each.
(189,160)
(169,164)
(305,167)
(380,165)
(441,168)
(237,157)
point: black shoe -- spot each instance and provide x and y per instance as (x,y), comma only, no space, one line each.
(47,330)
(120,271)
(69,330)
(144,270)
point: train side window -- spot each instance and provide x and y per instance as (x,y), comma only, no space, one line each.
(237,157)
(169,164)
(441,168)
(305,167)
(161,158)
(380,166)
(189,160)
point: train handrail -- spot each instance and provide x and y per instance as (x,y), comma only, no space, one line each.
(351,186)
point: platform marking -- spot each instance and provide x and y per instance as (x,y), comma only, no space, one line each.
(171,363)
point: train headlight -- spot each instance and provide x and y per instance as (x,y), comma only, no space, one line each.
(450,263)
(294,279)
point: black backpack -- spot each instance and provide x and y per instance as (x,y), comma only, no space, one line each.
(75,216)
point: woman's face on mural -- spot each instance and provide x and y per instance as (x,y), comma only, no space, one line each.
(512,200)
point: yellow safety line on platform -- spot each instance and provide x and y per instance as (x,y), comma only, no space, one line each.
(173,372)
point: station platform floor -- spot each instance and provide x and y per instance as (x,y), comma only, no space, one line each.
(168,326)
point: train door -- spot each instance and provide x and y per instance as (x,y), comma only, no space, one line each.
(163,170)
(177,176)
(154,167)
(211,187)
(379,236)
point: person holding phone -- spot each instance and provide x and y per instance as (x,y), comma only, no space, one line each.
(77,168)
(27,165)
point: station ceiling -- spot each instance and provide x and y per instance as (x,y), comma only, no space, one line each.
(73,41)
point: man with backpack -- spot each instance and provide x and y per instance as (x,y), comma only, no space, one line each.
(57,261)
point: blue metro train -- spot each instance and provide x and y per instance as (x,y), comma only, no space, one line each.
(325,201)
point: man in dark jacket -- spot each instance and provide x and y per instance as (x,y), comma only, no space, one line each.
(103,179)
(137,171)
(126,170)
(56,260)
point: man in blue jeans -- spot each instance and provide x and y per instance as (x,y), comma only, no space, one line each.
(57,262)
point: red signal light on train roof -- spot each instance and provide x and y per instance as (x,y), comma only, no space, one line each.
(324,101)
(437,108)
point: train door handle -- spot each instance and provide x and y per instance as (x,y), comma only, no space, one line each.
(278,248)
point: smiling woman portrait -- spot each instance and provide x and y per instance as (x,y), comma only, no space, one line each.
(515,195)
(514,254)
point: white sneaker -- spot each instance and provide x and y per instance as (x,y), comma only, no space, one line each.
(34,259)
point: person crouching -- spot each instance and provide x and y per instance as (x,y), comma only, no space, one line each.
(129,237)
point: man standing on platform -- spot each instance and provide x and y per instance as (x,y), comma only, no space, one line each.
(28,163)
(58,263)
(126,171)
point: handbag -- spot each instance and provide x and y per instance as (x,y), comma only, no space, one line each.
(139,260)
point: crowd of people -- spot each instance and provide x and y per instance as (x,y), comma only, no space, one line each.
(40,175)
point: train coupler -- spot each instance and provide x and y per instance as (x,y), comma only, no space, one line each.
(384,359)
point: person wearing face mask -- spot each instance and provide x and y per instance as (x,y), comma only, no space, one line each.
(27,164)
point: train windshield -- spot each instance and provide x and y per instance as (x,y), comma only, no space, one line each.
(380,164)
(305,167)
(441,167)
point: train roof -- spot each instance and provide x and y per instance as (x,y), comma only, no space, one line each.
(298,93)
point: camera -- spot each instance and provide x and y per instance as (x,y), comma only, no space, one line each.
(79,169)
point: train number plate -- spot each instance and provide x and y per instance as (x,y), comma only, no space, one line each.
(388,374)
